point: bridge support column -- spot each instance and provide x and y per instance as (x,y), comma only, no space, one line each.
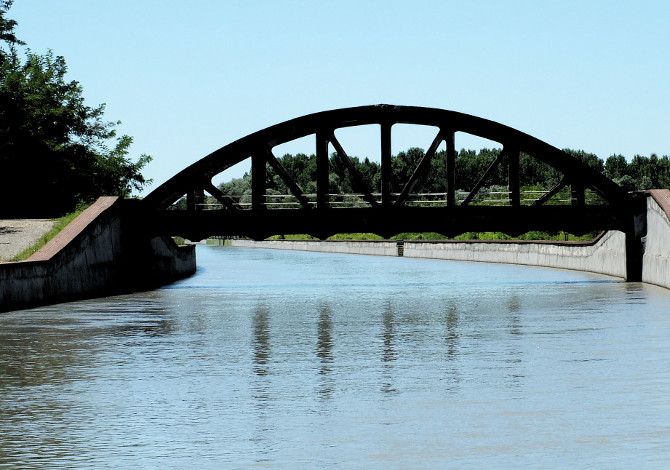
(513,178)
(322,164)
(194,199)
(387,172)
(451,168)
(258,176)
(635,234)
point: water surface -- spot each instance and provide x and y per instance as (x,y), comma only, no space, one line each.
(301,360)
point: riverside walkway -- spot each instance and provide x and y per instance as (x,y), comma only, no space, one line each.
(18,234)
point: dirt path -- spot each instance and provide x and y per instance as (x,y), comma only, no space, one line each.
(18,234)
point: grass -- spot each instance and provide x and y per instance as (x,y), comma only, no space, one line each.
(560,236)
(59,224)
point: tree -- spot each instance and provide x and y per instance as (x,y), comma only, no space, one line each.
(616,167)
(7,30)
(590,159)
(54,149)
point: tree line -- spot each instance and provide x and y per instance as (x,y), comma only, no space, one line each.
(639,174)
(55,151)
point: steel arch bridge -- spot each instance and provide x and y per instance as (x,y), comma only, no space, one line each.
(387,210)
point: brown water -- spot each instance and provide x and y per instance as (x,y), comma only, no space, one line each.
(301,360)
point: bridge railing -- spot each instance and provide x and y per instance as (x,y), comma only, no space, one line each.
(289,201)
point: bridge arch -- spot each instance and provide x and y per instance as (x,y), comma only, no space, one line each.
(258,146)
(386,209)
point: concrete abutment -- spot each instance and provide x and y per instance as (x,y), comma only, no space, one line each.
(100,253)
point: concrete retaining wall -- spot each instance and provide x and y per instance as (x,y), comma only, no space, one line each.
(606,255)
(93,256)
(169,262)
(357,247)
(656,260)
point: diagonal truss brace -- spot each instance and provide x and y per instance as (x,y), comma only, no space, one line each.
(286,178)
(219,196)
(358,180)
(484,177)
(420,169)
(552,192)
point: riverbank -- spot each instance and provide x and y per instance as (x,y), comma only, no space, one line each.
(17,235)
(604,255)
(99,253)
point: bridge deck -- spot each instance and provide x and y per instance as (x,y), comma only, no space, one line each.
(448,221)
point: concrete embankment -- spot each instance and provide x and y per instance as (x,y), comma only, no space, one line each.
(656,259)
(354,247)
(606,255)
(97,254)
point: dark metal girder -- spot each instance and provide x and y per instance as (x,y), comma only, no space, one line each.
(386,171)
(622,211)
(451,168)
(448,221)
(386,116)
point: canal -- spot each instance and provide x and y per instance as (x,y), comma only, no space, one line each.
(285,359)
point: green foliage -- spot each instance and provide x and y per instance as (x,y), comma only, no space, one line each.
(7,26)
(533,235)
(55,147)
(293,236)
(418,236)
(355,236)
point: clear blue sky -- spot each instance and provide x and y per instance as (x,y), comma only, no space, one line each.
(189,77)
